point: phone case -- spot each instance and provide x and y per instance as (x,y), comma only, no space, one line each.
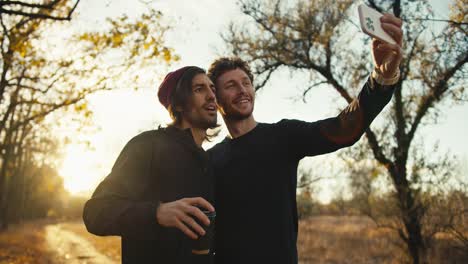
(370,24)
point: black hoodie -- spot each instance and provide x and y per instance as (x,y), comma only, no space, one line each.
(161,165)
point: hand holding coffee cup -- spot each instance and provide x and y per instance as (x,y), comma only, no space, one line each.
(186,215)
(203,244)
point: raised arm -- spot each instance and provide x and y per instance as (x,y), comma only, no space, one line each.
(324,136)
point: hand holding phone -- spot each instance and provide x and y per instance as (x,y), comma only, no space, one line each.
(371,25)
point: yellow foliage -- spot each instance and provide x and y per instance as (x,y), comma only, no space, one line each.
(167,54)
(22,48)
(81,107)
(459,11)
(38,62)
(88,114)
(117,39)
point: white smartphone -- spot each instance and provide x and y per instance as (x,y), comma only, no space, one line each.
(370,24)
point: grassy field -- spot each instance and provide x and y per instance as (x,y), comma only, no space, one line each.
(330,239)
(354,239)
(323,239)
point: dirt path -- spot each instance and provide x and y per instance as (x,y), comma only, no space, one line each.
(71,248)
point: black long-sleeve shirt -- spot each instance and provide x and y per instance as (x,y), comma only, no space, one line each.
(256,177)
(162,165)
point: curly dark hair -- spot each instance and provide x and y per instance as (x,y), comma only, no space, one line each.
(224,64)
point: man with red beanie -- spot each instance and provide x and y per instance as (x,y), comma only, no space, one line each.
(161,182)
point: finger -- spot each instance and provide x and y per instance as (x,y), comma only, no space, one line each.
(194,211)
(376,42)
(186,230)
(193,225)
(395,32)
(382,46)
(389,47)
(199,201)
(389,18)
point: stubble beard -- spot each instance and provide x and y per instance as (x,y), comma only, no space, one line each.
(204,123)
(237,116)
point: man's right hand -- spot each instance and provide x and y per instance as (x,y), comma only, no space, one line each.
(180,213)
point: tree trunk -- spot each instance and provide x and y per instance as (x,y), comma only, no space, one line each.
(412,213)
(4,192)
(415,242)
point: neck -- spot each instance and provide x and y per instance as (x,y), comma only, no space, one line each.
(238,127)
(198,134)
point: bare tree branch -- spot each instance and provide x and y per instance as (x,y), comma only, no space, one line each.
(24,4)
(437,20)
(38,15)
(435,95)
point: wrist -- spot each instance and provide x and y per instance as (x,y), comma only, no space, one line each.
(156,209)
(382,80)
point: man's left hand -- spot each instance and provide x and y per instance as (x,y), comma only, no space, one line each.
(387,57)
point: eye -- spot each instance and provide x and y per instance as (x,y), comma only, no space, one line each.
(197,90)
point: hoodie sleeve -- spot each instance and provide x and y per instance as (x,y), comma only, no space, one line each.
(116,206)
(327,135)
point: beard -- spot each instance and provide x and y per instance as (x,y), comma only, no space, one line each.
(236,116)
(203,123)
(233,114)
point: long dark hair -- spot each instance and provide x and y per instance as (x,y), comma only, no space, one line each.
(180,97)
(182,93)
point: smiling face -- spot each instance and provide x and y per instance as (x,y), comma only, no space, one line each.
(235,94)
(200,110)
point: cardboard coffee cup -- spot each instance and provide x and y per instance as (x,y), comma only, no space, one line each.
(205,243)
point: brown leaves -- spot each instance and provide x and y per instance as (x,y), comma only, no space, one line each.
(23,244)
(459,11)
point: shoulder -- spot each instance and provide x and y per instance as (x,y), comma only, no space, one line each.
(288,122)
(145,140)
(137,149)
(219,147)
(285,125)
(145,137)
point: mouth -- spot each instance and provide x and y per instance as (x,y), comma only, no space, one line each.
(210,107)
(242,100)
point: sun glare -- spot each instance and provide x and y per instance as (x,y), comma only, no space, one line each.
(79,170)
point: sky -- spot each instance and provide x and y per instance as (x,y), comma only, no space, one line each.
(195,36)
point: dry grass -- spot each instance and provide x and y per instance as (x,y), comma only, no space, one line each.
(24,244)
(323,239)
(354,239)
(109,246)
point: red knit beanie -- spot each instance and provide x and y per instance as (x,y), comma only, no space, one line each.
(168,85)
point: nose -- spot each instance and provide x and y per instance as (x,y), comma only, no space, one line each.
(211,95)
(242,88)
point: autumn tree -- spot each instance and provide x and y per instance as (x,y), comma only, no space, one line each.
(52,9)
(44,78)
(307,185)
(323,39)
